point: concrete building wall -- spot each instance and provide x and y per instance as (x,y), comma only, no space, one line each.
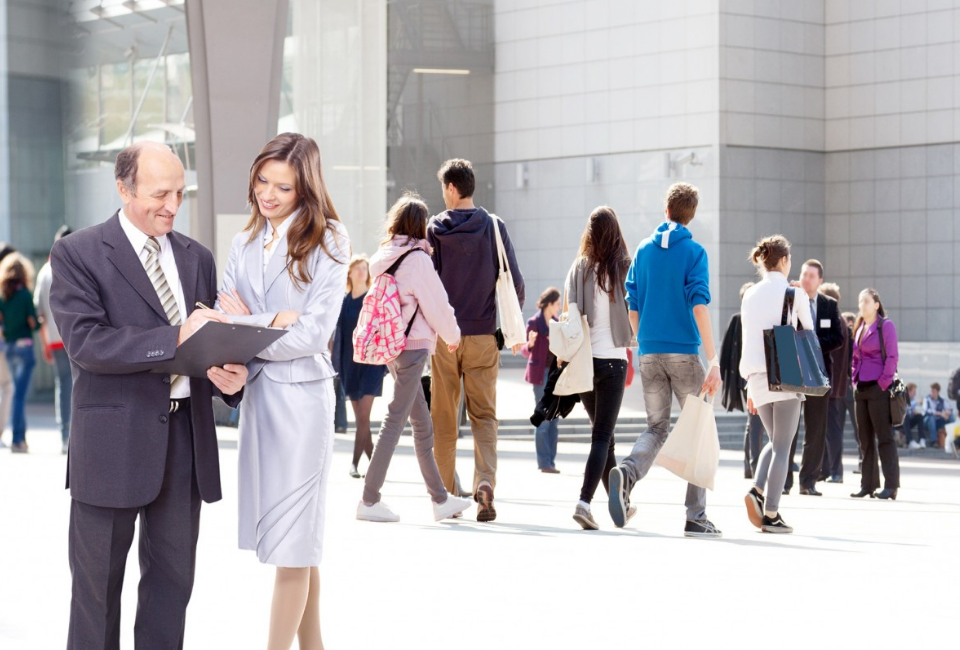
(893,159)
(595,103)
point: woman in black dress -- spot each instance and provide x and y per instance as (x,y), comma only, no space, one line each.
(360,382)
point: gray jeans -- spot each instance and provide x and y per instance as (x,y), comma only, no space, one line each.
(663,376)
(410,403)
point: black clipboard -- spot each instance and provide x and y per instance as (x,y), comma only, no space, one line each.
(216,344)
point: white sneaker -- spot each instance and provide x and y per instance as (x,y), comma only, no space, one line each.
(452,507)
(923,443)
(379,511)
(913,445)
(3,445)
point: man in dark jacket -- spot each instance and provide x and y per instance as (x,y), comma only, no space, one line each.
(829,329)
(840,359)
(465,256)
(734,389)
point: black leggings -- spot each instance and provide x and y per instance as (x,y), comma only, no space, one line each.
(603,407)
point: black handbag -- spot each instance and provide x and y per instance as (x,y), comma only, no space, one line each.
(794,358)
(897,390)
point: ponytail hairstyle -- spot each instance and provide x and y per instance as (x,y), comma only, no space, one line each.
(768,252)
(308,232)
(605,250)
(881,313)
(549,296)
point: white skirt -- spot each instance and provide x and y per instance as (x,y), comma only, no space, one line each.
(286,451)
(758,389)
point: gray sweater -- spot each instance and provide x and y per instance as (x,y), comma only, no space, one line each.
(579,287)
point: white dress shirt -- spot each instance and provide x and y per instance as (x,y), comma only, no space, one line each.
(762,309)
(268,237)
(138,240)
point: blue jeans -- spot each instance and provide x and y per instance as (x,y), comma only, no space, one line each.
(64,389)
(933,424)
(21,361)
(547,433)
(911,422)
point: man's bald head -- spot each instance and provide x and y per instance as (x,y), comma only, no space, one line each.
(150,181)
(128,160)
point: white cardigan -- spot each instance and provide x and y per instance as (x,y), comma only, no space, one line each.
(762,309)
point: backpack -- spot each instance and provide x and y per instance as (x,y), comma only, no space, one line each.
(953,388)
(380,337)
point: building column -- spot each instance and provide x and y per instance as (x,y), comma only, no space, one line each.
(236,61)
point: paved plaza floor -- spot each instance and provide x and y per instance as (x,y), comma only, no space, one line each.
(857,573)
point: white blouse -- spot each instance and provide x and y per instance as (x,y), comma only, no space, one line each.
(762,309)
(269,243)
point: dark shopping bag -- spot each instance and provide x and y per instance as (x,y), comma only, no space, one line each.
(897,390)
(794,359)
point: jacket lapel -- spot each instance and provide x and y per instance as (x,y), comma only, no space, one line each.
(188,267)
(277,264)
(253,264)
(128,263)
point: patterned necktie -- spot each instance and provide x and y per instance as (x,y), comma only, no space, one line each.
(167,300)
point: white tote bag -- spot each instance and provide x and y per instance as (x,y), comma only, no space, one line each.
(566,334)
(512,327)
(577,375)
(692,450)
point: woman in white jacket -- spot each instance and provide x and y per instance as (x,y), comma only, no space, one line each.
(762,309)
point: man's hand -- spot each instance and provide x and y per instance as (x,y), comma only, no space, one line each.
(712,383)
(48,355)
(229,379)
(531,339)
(232,304)
(452,347)
(285,318)
(197,319)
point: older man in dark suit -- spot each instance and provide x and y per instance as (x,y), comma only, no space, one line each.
(142,444)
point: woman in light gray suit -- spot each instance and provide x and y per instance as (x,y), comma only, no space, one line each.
(287,269)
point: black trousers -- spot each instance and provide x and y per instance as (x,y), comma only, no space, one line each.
(815,411)
(603,407)
(100,539)
(833,455)
(876,438)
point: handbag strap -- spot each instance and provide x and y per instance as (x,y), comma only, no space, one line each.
(393,269)
(786,316)
(883,348)
(502,265)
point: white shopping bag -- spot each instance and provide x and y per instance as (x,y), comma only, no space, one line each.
(692,450)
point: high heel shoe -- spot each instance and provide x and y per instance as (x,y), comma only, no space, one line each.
(863,493)
(887,493)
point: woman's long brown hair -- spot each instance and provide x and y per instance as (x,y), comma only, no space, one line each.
(16,272)
(309,230)
(881,312)
(603,247)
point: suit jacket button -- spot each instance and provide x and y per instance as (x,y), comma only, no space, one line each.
(163,419)
(166,379)
(160,353)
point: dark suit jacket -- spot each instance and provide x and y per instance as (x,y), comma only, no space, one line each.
(731,351)
(115,331)
(830,337)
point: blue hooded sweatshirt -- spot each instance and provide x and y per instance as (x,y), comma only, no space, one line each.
(667,278)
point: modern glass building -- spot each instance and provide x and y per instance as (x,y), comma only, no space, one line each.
(835,122)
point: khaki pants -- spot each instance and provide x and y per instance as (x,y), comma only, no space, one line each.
(477,362)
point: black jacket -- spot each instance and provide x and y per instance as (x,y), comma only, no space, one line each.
(830,337)
(734,387)
(551,406)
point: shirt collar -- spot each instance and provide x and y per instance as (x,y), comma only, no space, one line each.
(281,229)
(138,238)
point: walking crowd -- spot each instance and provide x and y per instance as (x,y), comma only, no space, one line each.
(433,306)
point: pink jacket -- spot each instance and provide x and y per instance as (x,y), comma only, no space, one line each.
(418,283)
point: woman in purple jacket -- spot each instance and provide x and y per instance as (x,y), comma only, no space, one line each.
(872,372)
(539,360)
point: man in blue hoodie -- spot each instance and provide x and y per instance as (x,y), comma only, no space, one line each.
(668,290)
(465,255)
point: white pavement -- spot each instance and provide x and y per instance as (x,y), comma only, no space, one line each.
(856,573)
